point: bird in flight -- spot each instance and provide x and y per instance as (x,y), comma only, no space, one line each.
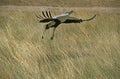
(55,21)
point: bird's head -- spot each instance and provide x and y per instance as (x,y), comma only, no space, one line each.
(69,12)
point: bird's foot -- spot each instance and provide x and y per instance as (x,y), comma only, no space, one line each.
(51,38)
(42,37)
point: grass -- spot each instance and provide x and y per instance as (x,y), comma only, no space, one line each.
(90,50)
(61,3)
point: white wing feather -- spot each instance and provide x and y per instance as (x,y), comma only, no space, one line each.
(63,15)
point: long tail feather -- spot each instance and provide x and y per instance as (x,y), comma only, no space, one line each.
(44,14)
(50,14)
(47,14)
(39,17)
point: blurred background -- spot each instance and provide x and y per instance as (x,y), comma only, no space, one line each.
(88,50)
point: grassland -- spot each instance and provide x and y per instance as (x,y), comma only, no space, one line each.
(63,3)
(90,50)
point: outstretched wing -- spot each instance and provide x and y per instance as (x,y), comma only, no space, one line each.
(46,20)
(71,20)
(47,17)
(89,18)
(76,20)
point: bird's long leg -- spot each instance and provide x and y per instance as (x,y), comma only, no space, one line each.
(43,33)
(53,33)
(46,28)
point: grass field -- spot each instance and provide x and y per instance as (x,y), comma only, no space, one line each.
(63,3)
(90,50)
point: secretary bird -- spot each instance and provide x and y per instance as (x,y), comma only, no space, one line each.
(57,20)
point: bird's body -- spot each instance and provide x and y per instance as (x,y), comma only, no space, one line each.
(59,19)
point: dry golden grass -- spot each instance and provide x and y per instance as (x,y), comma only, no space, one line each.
(65,3)
(90,50)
